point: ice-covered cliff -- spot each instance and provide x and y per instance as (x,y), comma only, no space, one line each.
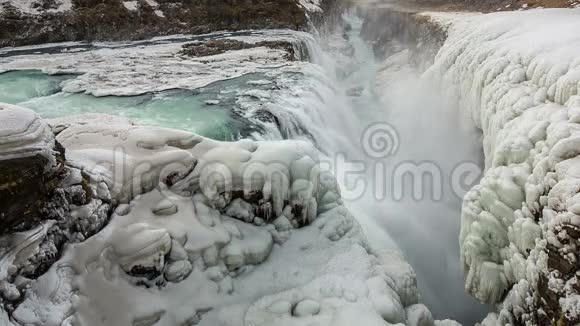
(517,74)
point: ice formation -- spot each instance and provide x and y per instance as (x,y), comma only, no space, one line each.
(209,233)
(520,226)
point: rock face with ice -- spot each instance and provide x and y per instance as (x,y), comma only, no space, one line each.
(203,232)
(520,226)
(44,203)
(30,164)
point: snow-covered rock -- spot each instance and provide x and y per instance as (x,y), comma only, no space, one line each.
(44,203)
(36,7)
(131,5)
(311,5)
(129,159)
(518,75)
(222,234)
(23,134)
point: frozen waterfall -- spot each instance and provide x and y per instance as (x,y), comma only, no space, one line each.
(380,131)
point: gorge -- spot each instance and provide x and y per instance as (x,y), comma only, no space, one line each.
(379,163)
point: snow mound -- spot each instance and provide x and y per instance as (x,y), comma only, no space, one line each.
(130,159)
(520,84)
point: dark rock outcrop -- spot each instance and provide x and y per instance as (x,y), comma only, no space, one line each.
(32,164)
(392,30)
(215,47)
(44,203)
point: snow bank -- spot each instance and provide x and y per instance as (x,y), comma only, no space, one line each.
(518,75)
(215,233)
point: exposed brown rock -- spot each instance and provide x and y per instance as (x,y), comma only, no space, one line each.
(25,187)
(392,30)
(32,163)
(110,20)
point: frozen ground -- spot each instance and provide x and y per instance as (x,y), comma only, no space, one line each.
(34,7)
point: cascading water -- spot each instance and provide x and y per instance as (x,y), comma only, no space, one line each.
(354,119)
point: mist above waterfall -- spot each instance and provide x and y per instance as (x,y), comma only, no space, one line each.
(433,132)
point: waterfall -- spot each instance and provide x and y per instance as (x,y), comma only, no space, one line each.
(362,125)
(370,124)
